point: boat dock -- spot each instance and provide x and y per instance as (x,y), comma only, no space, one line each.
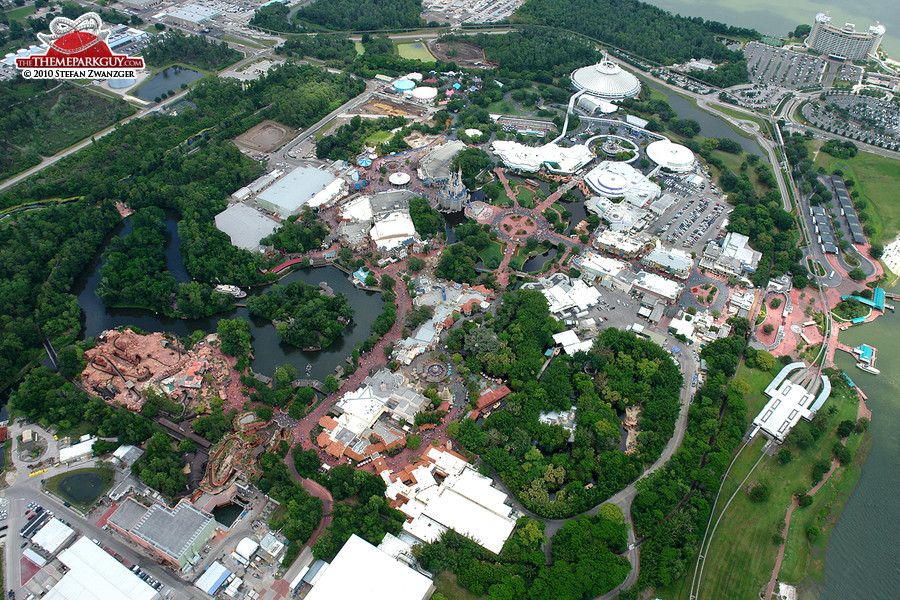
(865,356)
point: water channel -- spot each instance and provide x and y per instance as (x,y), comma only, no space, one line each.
(269,352)
(167,81)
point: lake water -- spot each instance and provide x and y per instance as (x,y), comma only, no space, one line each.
(167,81)
(269,352)
(862,561)
(778,18)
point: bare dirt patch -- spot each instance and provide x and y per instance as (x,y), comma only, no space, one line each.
(268,136)
(461,53)
(388,108)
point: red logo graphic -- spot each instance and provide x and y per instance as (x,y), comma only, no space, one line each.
(78,50)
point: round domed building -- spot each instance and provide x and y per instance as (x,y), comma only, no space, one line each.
(670,155)
(606,80)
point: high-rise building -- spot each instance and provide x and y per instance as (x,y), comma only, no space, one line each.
(844,42)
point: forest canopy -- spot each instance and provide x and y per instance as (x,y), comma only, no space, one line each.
(303,315)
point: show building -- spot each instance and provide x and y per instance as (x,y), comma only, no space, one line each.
(671,156)
(606,80)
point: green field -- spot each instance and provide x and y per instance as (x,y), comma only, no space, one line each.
(733,162)
(360,49)
(742,554)
(378,137)
(241,41)
(446,585)
(19,14)
(503,107)
(878,181)
(527,198)
(494,249)
(415,51)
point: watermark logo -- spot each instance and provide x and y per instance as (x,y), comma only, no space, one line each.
(78,50)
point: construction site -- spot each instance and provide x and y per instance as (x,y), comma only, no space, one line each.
(266,137)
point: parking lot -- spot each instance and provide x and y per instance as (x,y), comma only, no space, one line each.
(692,220)
(781,67)
(869,120)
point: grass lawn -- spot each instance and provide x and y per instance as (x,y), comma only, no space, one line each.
(493,249)
(742,554)
(379,137)
(733,162)
(528,198)
(242,41)
(446,584)
(415,51)
(360,49)
(502,107)
(878,181)
(21,13)
(739,115)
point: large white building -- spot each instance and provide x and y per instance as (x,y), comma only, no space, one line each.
(672,156)
(362,571)
(676,263)
(606,80)
(844,42)
(93,574)
(789,402)
(620,180)
(302,187)
(621,216)
(656,285)
(442,491)
(565,296)
(530,159)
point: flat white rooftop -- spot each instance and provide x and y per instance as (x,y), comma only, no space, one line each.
(95,575)
(52,535)
(245,225)
(362,571)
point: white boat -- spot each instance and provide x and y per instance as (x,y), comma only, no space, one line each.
(868,368)
(232,290)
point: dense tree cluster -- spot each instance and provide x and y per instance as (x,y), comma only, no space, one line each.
(458,260)
(840,148)
(274,17)
(672,505)
(361,509)
(428,221)
(347,142)
(162,466)
(42,117)
(302,512)
(303,315)
(41,254)
(134,269)
(472,161)
(584,561)
(195,50)
(538,461)
(362,15)
(298,233)
(636,27)
(215,425)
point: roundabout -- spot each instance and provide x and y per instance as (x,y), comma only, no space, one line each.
(514,225)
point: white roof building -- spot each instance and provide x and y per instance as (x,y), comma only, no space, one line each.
(76,451)
(53,536)
(393,231)
(247,548)
(615,179)
(672,156)
(606,80)
(683,327)
(732,257)
(620,216)
(596,266)
(664,289)
(245,225)
(557,159)
(465,501)
(674,262)
(570,342)
(95,575)
(304,186)
(360,570)
(565,295)
(788,404)
(213,578)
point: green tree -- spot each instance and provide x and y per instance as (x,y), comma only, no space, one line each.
(413,441)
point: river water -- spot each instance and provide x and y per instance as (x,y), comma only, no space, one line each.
(777,18)
(269,352)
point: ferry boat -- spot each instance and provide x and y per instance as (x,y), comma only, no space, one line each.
(232,290)
(868,368)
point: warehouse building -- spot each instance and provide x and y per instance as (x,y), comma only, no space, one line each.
(174,535)
(245,225)
(360,570)
(192,16)
(93,574)
(302,187)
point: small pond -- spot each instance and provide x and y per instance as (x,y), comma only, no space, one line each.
(227,514)
(83,487)
(536,263)
(167,81)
